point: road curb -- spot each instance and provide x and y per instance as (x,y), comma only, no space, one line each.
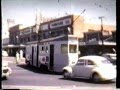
(55,87)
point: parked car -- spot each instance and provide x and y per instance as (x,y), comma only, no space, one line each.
(6,70)
(4,53)
(96,68)
(111,57)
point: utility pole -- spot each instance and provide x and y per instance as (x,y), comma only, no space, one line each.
(101,18)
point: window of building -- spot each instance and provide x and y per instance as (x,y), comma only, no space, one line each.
(45,35)
(28,39)
(54,34)
(34,38)
(72,48)
(21,40)
(65,32)
(61,32)
(39,37)
(64,48)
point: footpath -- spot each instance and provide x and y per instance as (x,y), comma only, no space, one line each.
(13,60)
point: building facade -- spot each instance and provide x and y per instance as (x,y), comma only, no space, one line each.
(68,25)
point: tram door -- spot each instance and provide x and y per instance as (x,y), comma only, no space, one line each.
(51,57)
(37,55)
(32,54)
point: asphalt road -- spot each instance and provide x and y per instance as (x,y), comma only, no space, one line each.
(29,77)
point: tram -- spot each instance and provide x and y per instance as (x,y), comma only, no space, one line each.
(53,54)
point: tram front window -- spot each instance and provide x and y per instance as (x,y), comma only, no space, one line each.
(73,48)
(64,48)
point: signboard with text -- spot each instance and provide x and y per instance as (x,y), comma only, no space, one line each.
(27,31)
(60,23)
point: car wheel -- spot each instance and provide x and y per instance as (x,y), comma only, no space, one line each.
(5,77)
(66,74)
(95,77)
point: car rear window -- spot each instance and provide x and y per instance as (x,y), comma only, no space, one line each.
(105,61)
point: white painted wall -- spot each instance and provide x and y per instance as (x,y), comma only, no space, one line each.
(5,41)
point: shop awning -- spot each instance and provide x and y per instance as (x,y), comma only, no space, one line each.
(14,46)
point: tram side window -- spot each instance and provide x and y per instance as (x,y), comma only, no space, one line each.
(64,48)
(73,48)
(42,48)
(46,49)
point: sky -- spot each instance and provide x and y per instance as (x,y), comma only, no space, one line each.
(24,11)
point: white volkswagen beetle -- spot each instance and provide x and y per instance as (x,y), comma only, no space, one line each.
(6,70)
(96,68)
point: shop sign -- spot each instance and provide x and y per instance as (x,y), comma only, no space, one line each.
(27,31)
(60,23)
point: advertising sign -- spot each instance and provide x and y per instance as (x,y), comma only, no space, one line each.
(26,31)
(60,23)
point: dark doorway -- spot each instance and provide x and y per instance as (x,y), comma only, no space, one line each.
(51,57)
(32,54)
(37,54)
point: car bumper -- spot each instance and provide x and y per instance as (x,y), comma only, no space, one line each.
(110,77)
(6,72)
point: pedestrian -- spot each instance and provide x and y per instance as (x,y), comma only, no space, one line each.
(17,58)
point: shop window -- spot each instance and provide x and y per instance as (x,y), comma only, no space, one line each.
(73,48)
(64,48)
